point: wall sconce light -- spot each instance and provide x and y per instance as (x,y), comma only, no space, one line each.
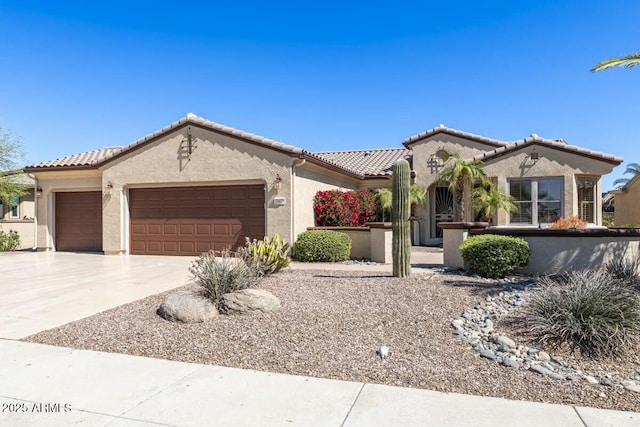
(108,188)
(39,192)
(277,183)
(535,156)
(189,143)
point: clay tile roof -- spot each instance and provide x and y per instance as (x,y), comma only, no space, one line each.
(552,143)
(192,118)
(376,162)
(97,157)
(89,158)
(443,129)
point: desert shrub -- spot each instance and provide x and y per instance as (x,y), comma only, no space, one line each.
(586,310)
(223,274)
(624,271)
(607,220)
(322,246)
(9,241)
(266,256)
(344,208)
(569,222)
(494,256)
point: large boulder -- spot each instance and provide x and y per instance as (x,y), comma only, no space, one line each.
(187,307)
(249,301)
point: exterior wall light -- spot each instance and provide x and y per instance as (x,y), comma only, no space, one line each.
(535,156)
(108,188)
(277,183)
(39,192)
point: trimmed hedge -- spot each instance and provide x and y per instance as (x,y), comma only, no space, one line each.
(494,256)
(322,246)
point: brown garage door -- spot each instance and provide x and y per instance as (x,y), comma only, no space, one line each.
(79,221)
(192,220)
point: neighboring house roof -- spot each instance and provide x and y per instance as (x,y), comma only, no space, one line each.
(443,129)
(625,187)
(82,160)
(372,163)
(550,143)
(19,178)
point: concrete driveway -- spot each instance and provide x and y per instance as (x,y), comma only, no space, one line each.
(42,290)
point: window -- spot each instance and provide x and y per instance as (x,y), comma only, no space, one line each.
(586,199)
(15,204)
(539,201)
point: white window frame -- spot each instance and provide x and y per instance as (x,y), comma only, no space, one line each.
(534,199)
(14,211)
(594,195)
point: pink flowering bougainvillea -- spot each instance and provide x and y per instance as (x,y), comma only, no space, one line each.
(343,208)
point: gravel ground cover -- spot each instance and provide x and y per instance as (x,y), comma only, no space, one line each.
(330,325)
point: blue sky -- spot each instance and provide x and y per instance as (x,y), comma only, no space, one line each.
(329,75)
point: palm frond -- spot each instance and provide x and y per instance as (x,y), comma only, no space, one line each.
(627,61)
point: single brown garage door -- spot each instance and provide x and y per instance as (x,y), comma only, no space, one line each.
(192,220)
(79,221)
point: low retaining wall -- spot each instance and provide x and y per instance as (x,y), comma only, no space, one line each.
(24,228)
(552,251)
(557,251)
(371,242)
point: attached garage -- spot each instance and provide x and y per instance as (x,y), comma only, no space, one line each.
(192,220)
(78,218)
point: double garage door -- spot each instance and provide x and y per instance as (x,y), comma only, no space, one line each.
(192,220)
(167,221)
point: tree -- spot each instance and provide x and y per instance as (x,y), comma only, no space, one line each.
(488,200)
(459,174)
(11,154)
(627,61)
(417,196)
(632,169)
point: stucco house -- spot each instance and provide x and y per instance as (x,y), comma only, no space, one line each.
(197,185)
(20,215)
(627,203)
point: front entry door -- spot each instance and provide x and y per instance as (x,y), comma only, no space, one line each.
(443,209)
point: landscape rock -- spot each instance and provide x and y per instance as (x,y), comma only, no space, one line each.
(187,307)
(248,301)
(504,340)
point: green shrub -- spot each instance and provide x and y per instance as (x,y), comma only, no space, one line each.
(624,271)
(223,274)
(494,256)
(607,220)
(266,256)
(586,310)
(9,241)
(631,225)
(322,246)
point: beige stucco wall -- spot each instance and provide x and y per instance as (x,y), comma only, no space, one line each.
(426,175)
(25,224)
(627,204)
(217,160)
(308,179)
(59,181)
(552,163)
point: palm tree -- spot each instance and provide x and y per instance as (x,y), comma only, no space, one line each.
(627,61)
(458,174)
(632,169)
(487,201)
(417,196)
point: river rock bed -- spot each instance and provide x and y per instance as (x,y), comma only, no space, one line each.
(476,326)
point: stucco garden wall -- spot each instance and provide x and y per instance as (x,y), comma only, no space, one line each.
(558,251)
(216,160)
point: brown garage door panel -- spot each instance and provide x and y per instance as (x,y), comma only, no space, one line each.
(79,221)
(189,221)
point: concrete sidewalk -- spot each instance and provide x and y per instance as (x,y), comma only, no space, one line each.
(54,386)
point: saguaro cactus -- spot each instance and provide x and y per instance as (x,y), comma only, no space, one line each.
(401,209)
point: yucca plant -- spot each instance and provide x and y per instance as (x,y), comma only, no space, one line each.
(585,310)
(266,256)
(222,274)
